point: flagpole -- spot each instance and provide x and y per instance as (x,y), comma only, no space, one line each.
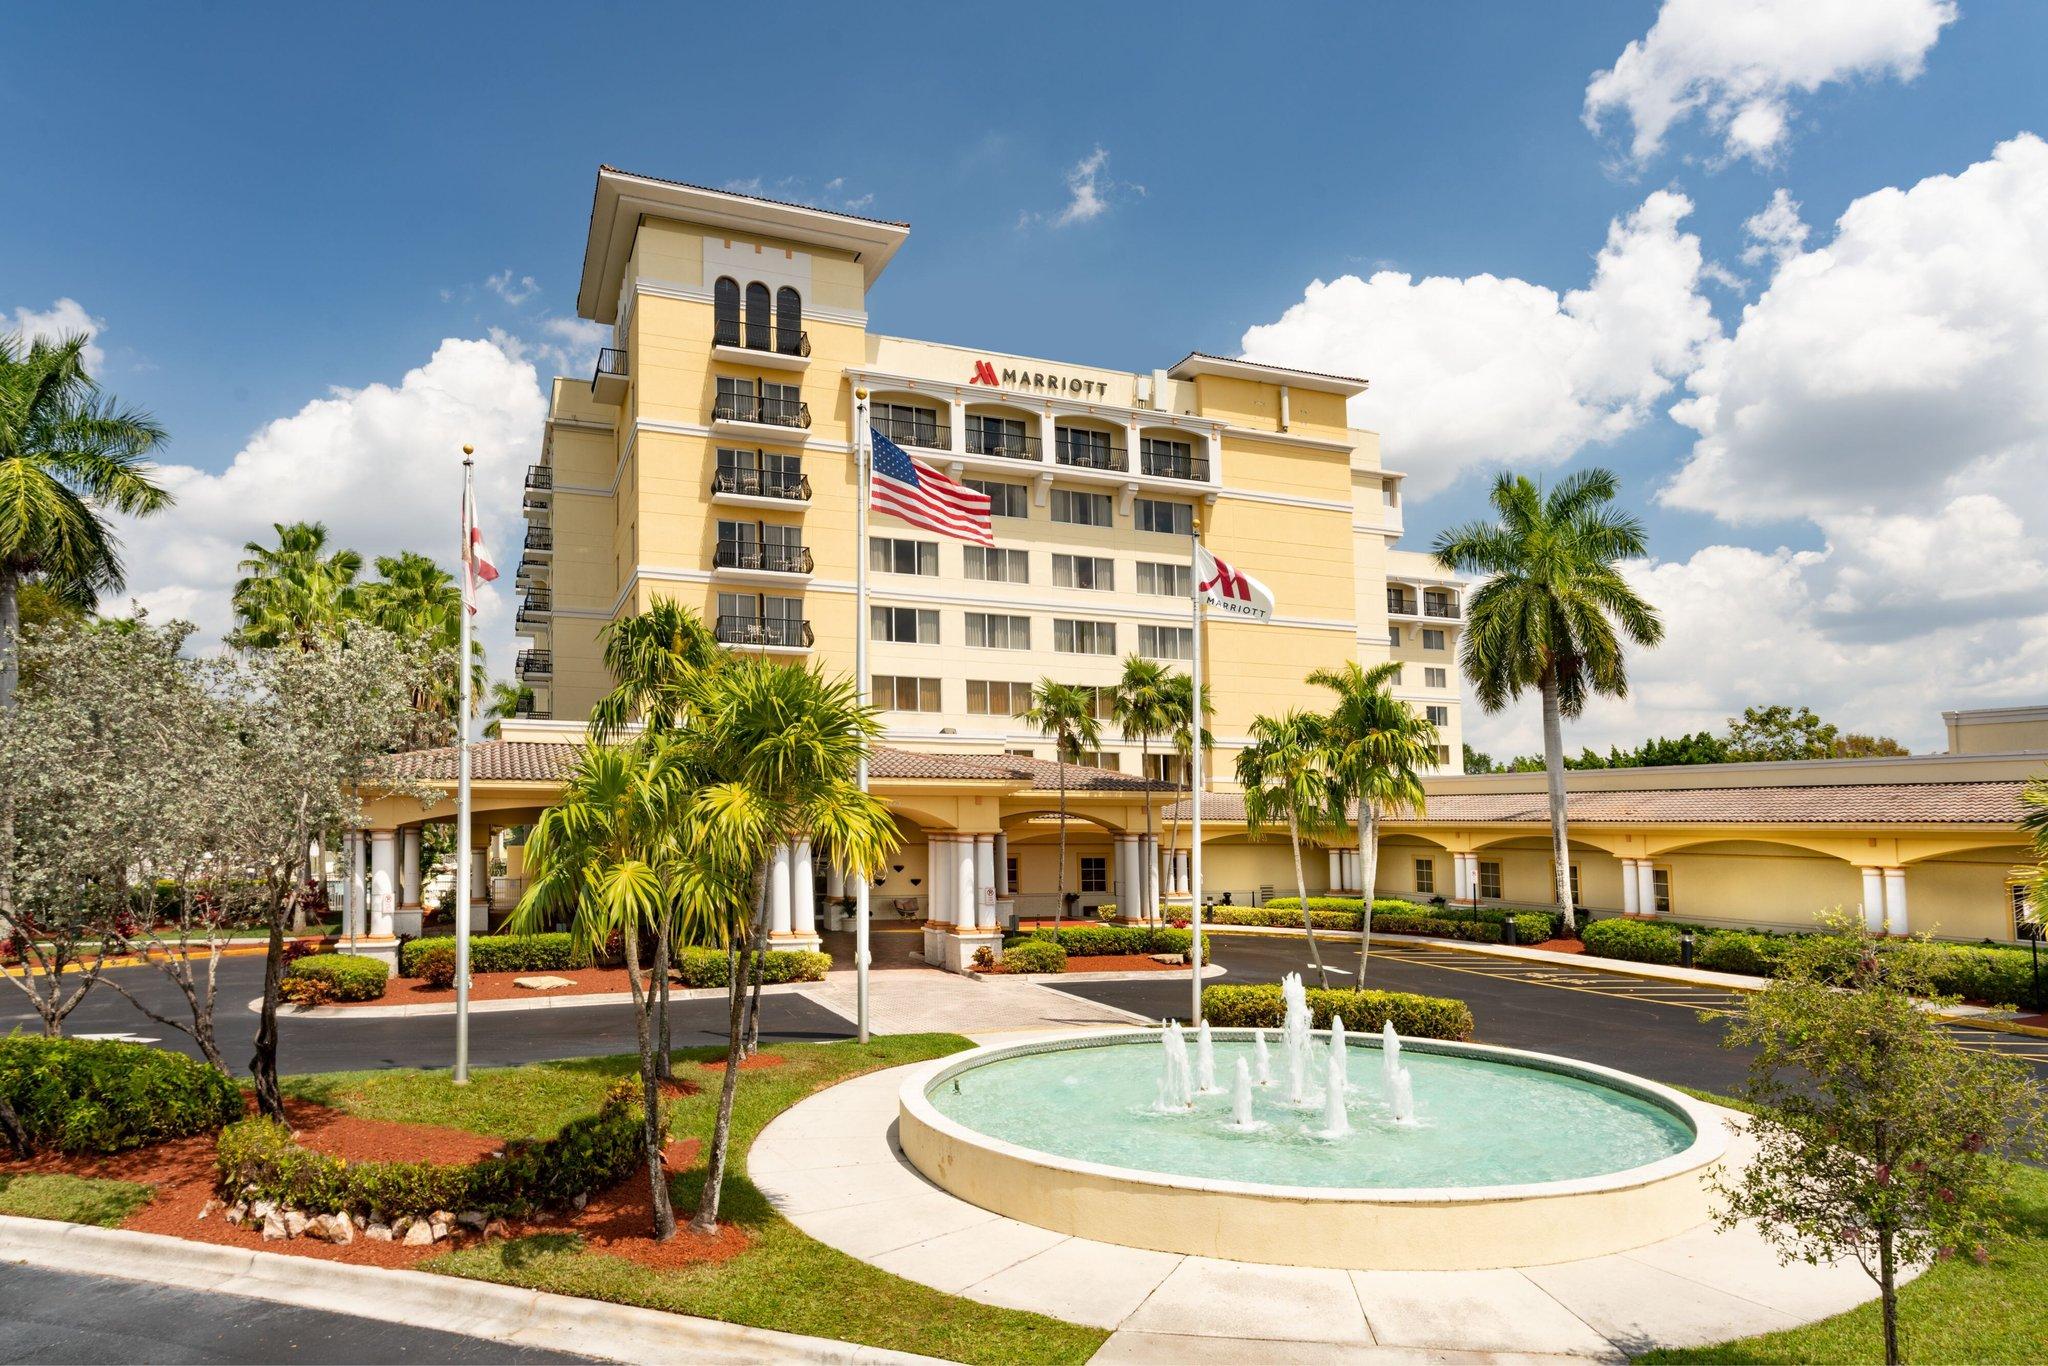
(1195,786)
(862,457)
(462,812)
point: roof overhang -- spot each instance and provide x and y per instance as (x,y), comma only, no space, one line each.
(1199,363)
(623,199)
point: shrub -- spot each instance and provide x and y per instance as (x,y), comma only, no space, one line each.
(1091,941)
(1739,951)
(1998,975)
(101,1096)
(349,977)
(1261,1006)
(985,959)
(698,967)
(306,991)
(1033,955)
(258,1159)
(436,967)
(499,953)
(1282,917)
(1633,941)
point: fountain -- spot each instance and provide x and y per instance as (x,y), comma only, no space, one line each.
(1390,1056)
(1401,1097)
(1241,1118)
(1205,1062)
(1176,1086)
(1340,1056)
(1261,1058)
(1336,1124)
(1294,1037)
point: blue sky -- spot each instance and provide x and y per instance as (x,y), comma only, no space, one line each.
(257,205)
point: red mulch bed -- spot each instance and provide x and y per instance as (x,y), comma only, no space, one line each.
(1119,962)
(1559,946)
(498,986)
(752,1064)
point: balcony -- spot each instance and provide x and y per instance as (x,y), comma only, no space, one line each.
(746,415)
(540,539)
(1005,445)
(760,488)
(608,381)
(536,610)
(1440,608)
(928,436)
(531,573)
(525,710)
(1399,604)
(768,633)
(1169,465)
(757,557)
(778,348)
(1090,455)
(535,665)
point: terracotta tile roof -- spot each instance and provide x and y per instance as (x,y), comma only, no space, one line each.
(518,761)
(1979,803)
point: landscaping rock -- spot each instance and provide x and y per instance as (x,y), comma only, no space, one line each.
(497,1228)
(262,1209)
(579,1200)
(209,1207)
(331,1228)
(543,983)
(273,1229)
(442,1223)
(237,1212)
(1175,959)
(377,1233)
(473,1219)
(295,1222)
(419,1233)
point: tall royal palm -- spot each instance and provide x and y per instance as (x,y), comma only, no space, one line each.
(1378,746)
(1066,713)
(69,456)
(1143,708)
(297,592)
(656,658)
(1285,772)
(416,600)
(1552,613)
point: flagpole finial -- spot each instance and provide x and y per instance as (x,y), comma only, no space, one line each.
(861,394)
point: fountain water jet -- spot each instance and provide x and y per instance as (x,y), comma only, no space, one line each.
(1340,1056)
(1263,1059)
(1294,1037)
(1176,1089)
(1336,1124)
(1403,1097)
(1390,1058)
(1205,1063)
(1241,1120)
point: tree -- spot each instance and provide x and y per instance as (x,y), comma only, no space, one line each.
(1777,733)
(415,600)
(1143,706)
(657,659)
(1180,708)
(1856,745)
(1286,775)
(1478,761)
(1877,1130)
(1378,745)
(2034,876)
(506,700)
(1066,713)
(298,593)
(1546,617)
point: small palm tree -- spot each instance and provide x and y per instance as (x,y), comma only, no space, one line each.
(68,456)
(656,658)
(1143,706)
(1066,713)
(1546,617)
(1378,746)
(1180,705)
(506,699)
(418,601)
(297,592)
(1286,774)
(2035,876)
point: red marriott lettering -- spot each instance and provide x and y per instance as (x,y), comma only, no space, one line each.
(984,373)
(1229,582)
(1013,378)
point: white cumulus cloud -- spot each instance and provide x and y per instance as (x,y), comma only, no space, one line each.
(1738,64)
(1481,371)
(62,319)
(1090,192)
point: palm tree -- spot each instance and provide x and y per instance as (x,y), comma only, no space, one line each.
(69,456)
(1546,616)
(506,699)
(2035,822)
(1285,772)
(1377,745)
(1066,713)
(1180,705)
(297,593)
(419,602)
(655,658)
(1143,706)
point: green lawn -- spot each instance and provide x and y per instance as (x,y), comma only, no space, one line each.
(74,1199)
(1956,1311)
(784,1280)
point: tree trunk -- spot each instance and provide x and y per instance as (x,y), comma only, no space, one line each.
(664,1064)
(1148,869)
(1888,1295)
(1059,912)
(706,1218)
(10,682)
(1301,890)
(263,1066)
(760,959)
(650,1093)
(1368,875)
(1553,771)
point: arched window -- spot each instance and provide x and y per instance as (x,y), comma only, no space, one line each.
(789,322)
(757,316)
(726,311)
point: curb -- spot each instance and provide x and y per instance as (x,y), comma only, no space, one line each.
(507,1005)
(420,1299)
(1047,979)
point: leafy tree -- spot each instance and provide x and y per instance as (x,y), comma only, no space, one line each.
(1378,745)
(1143,706)
(1286,772)
(1066,713)
(2034,876)
(415,600)
(1547,615)
(1877,1130)
(1180,709)
(1702,747)
(297,593)
(1856,745)
(1772,734)
(505,701)
(1478,761)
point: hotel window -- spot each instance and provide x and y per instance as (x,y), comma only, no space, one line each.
(760,619)
(1004,500)
(1574,879)
(997,566)
(1022,754)
(736,400)
(993,697)
(1010,874)
(1438,716)
(1084,447)
(1163,580)
(789,322)
(992,631)
(894,692)
(759,473)
(1103,700)
(1425,875)
(1172,459)
(1166,642)
(1443,754)
(1166,768)
(1660,887)
(1080,509)
(1084,571)
(781,403)
(1071,637)
(1394,637)
(1489,880)
(890,555)
(1106,759)
(905,625)
(1435,678)
(907,425)
(1432,640)
(2025,925)
(988,435)
(1397,675)
(725,307)
(757,316)
(1094,873)
(1152,514)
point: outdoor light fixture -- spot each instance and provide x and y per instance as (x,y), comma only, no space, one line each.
(1685,948)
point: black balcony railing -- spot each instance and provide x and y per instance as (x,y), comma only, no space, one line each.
(1089,455)
(611,361)
(540,476)
(540,538)
(775,412)
(1173,465)
(788,484)
(773,559)
(932,436)
(525,708)
(1447,610)
(1005,444)
(530,572)
(1400,602)
(780,631)
(534,664)
(785,341)
(535,608)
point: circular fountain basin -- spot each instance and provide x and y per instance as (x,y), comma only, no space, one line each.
(1512,1159)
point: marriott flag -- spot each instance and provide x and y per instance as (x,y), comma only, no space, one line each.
(1232,592)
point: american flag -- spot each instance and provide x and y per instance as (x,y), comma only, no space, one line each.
(921,496)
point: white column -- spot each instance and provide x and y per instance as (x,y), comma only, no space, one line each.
(1873,900)
(1895,901)
(1187,883)
(353,915)
(480,886)
(409,866)
(835,881)
(1336,869)
(383,881)
(1002,856)
(1646,886)
(778,890)
(803,892)
(985,881)
(1354,877)
(1123,886)
(938,879)
(1631,904)
(1155,883)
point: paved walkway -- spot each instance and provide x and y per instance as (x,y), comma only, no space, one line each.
(831,1165)
(927,1000)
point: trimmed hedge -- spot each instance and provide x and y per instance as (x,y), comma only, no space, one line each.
(698,967)
(1033,955)
(1261,1007)
(345,976)
(1091,941)
(499,953)
(259,1160)
(1390,916)
(102,1096)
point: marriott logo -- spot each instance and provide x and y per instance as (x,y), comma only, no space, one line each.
(1012,377)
